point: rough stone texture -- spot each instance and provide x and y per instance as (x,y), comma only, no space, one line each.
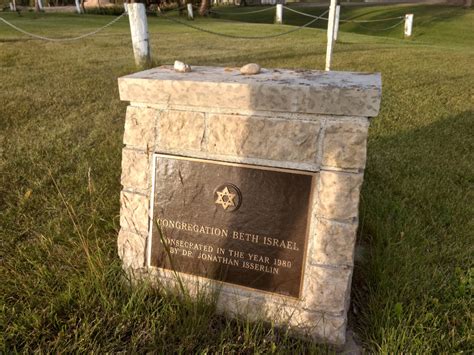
(326,289)
(249,139)
(316,325)
(302,91)
(180,130)
(241,302)
(256,137)
(345,144)
(140,127)
(134,212)
(135,170)
(339,195)
(291,116)
(250,69)
(333,243)
(307,120)
(131,249)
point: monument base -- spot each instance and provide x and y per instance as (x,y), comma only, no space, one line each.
(248,187)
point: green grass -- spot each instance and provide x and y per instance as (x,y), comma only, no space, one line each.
(61,126)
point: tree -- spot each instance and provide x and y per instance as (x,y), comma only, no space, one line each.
(204,7)
(182,6)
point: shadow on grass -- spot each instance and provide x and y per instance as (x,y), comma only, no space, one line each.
(415,240)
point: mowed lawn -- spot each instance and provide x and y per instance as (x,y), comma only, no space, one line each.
(61,127)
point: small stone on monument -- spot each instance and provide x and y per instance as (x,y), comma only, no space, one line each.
(181,67)
(250,69)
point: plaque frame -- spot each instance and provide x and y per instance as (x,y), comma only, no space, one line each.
(209,280)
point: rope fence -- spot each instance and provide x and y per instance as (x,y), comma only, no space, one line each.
(350,20)
(51,39)
(301,13)
(375,20)
(385,28)
(198,28)
(140,35)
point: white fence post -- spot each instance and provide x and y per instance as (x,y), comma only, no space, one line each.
(336,23)
(139,32)
(190,11)
(408,25)
(330,34)
(279,14)
(78,7)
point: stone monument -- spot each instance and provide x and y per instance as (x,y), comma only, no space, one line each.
(248,186)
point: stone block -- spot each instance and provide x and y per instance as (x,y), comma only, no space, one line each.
(136,170)
(345,144)
(134,212)
(318,325)
(327,289)
(313,324)
(302,91)
(333,243)
(140,127)
(263,138)
(180,131)
(131,249)
(338,195)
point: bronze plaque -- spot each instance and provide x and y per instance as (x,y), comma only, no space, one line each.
(240,224)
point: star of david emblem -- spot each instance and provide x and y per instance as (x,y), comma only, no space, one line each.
(228,196)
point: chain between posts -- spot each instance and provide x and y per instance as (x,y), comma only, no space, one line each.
(243,37)
(304,13)
(375,20)
(348,20)
(383,29)
(62,39)
(315,18)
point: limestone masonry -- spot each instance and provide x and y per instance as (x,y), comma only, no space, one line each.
(312,121)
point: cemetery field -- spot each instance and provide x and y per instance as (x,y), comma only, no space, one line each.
(61,127)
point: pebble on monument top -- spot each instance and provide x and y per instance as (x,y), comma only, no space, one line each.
(232,75)
(250,69)
(181,67)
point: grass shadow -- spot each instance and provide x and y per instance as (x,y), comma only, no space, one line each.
(415,235)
